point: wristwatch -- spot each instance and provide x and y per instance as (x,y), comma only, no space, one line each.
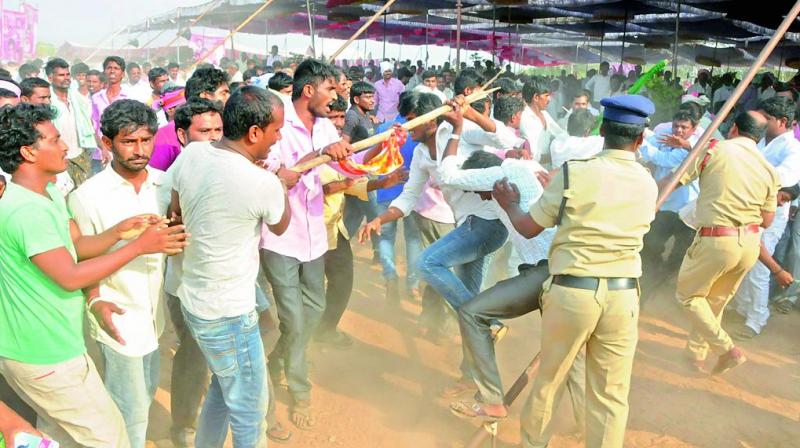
(455,137)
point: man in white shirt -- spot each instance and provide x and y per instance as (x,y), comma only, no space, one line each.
(224,198)
(234,72)
(137,87)
(579,101)
(578,144)
(782,151)
(702,85)
(599,84)
(537,126)
(510,298)
(126,188)
(273,56)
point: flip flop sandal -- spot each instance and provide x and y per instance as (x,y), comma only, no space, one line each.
(464,409)
(783,305)
(279,434)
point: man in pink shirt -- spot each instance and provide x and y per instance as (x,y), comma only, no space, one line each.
(114,69)
(387,94)
(206,82)
(293,261)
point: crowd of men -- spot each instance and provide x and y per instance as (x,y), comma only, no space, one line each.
(130,195)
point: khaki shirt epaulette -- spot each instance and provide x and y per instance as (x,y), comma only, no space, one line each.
(736,184)
(611,201)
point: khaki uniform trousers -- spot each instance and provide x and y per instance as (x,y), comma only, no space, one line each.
(73,405)
(708,279)
(606,323)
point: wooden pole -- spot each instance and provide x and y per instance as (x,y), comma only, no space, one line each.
(700,146)
(383,136)
(191,24)
(100,45)
(364,28)
(675,47)
(236,30)
(311,28)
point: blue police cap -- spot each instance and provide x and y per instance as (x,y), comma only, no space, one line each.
(631,109)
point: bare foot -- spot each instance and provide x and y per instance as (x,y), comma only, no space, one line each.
(301,415)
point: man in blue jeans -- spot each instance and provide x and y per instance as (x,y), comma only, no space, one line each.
(411,232)
(224,197)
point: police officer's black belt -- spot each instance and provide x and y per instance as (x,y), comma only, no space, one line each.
(591,283)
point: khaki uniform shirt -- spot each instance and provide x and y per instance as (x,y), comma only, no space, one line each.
(736,184)
(334,203)
(611,201)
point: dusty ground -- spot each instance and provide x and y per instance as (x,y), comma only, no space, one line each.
(383,391)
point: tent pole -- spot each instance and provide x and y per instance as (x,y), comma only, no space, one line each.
(494,32)
(236,30)
(602,38)
(624,35)
(311,28)
(366,25)
(458,34)
(700,146)
(675,47)
(191,24)
(178,47)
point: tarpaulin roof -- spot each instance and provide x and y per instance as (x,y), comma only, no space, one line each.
(730,29)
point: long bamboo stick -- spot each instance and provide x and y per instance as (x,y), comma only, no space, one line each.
(700,146)
(103,42)
(361,30)
(191,24)
(235,30)
(383,136)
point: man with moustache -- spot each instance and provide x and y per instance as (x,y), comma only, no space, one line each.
(127,187)
(114,70)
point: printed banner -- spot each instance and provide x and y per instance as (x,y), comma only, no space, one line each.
(201,44)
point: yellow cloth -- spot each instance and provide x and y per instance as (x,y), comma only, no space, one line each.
(334,203)
(611,201)
(736,184)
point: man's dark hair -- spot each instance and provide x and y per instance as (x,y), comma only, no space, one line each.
(79,68)
(507,86)
(793,191)
(249,73)
(197,106)
(5,93)
(132,66)
(429,74)
(481,159)
(97,73)
(407,103)
(583,92)
(205,80)
(18,129)
(468,79)
(311,72)
(360,88)
(534,86)
(426,102)
(786,87)
(173,65)
(580,123)
(339,105)
(27,69)
(620,135)
(693,108)
(750,127)
(28,84)
(128,116)
(117,59)
(404,72)
(4,73)
(683,115)
(279,81)
(506,106)
(778,107)
(53,64)
(355,72)
(155,73)
(248,106)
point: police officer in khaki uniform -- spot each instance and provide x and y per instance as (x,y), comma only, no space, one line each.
(605,205)
(738,194)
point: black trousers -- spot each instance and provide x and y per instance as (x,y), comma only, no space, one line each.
(654,269)
(339,273)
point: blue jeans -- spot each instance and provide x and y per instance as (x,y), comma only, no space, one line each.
(132,384)
(386,243)
(238,395)
(464,250)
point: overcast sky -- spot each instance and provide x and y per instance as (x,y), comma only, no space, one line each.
(87,22)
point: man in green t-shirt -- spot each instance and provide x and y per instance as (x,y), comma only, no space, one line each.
(45,264)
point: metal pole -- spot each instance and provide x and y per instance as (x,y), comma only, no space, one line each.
(311,28)
(624,35)
(494,32)
(700,146)
(458,34)
(384,36)
(602,37)
(675,47)
(427,25)
(178,25)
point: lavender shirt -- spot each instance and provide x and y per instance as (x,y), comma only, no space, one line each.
(387,98)
(166,147)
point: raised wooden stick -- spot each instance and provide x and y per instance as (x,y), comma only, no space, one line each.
(489,82)
(361,30)
(383,136)
(700,146)
(235,30)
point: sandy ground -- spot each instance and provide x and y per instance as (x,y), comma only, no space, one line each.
(383,392)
